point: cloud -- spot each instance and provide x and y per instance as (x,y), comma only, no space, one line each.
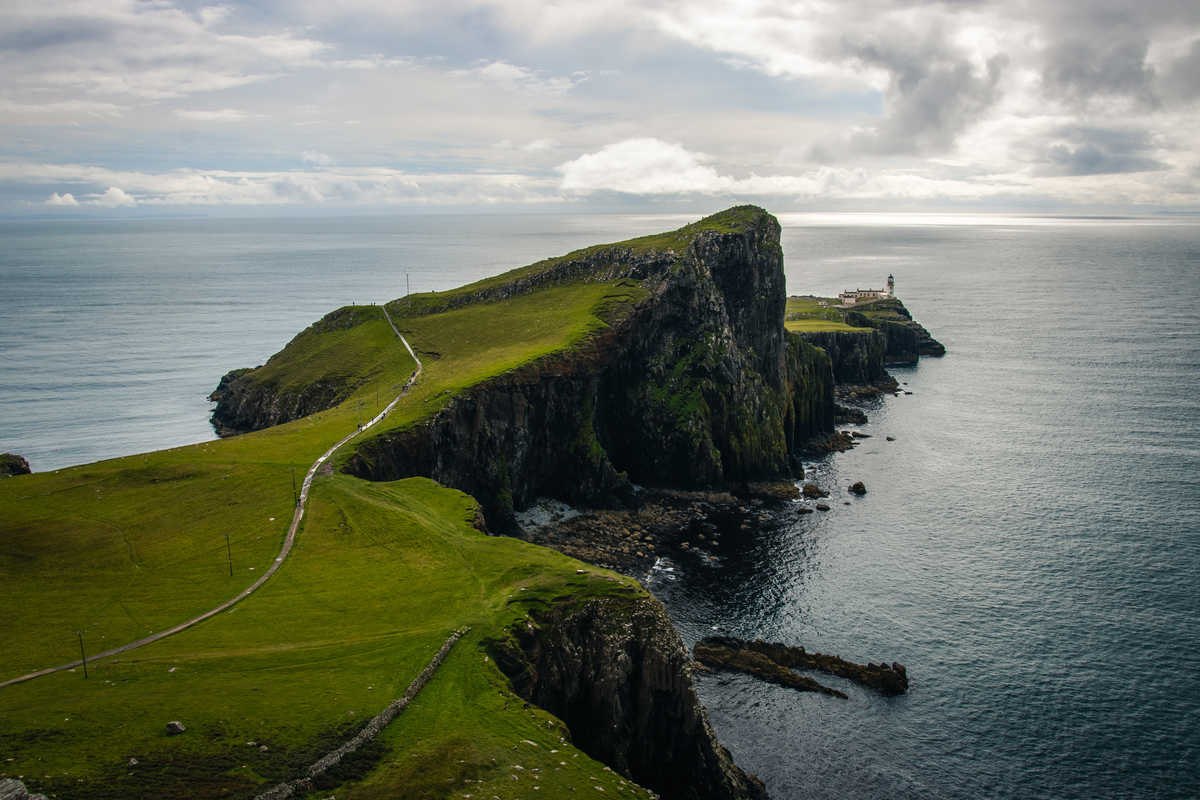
(64,199)
(113,197)
(314,157)
(651,167)
(219,115)
(539,145)
(933,95)
(641,166)
(110,50)
(1179,79)
(1079,69)
(337,187)
(1098,151)
(516,78)
(678,100)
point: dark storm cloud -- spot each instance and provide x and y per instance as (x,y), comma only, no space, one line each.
(1098,151)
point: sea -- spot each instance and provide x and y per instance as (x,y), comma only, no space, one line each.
(1028,547)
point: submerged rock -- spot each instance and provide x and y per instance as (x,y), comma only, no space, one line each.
(858,488)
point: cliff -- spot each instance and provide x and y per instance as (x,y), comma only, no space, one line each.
(315,371)
(857,357)
(617,674)
(905,339)
(698,385)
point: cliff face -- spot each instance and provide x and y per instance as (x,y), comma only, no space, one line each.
(245,405)
(299,380)
(857,356)
(700,386)
(615,671)
(906,340)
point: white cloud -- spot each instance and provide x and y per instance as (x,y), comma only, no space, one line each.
(871,100)
(314,157)
(61,107)
(64,199)
(652,167)
(540,145)
(219,115)
(516,78)
(113,197)
(322,186)
(642,166)
(105,50)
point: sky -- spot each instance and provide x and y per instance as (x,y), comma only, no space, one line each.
(126,108)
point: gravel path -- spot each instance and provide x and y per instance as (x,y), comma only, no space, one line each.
(288,541)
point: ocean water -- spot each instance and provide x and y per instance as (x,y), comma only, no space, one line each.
(1029,545)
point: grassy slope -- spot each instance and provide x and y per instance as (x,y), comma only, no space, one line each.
(122,547)
(806,314)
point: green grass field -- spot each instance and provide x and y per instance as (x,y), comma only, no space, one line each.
(807,314)
(380,575)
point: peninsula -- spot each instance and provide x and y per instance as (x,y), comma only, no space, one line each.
(663,361)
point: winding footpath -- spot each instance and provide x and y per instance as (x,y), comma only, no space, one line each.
(288,541)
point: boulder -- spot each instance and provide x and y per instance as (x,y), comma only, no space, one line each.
(175,727)
(858,488)
(812,491)
(13,789)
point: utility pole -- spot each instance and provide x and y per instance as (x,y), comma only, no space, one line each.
(407,289)
(82,655)
(229,552)
(295,496)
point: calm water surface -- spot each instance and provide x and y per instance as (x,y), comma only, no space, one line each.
(1029,545)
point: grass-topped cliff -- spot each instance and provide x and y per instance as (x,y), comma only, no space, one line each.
(675,340)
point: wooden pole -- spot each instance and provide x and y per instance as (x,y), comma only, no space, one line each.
(82,655)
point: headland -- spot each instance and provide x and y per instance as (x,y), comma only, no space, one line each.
(657,373)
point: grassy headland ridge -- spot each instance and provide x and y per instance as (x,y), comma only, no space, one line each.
(384,569)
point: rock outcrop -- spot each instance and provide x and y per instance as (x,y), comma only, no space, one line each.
(13,789)
(616,672)
(13,464)
(905,339)
(770,660)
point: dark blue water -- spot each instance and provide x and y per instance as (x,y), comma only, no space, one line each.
(1029,545)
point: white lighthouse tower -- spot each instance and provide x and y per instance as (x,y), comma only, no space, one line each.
(891,290)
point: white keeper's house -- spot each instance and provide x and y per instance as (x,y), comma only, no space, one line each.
(849,298)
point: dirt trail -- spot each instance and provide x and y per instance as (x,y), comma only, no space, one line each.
(288,541)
